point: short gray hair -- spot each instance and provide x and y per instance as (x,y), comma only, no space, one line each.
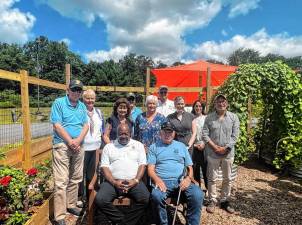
(151,98)
(89,92)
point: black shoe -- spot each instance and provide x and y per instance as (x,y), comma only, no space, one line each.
(211,207)
(227,207)
(75,211)
(60,222)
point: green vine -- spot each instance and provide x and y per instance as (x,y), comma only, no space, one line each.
(279,89)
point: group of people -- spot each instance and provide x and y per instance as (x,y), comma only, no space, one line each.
(148,156)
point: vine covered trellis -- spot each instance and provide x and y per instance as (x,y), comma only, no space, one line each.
(278,89)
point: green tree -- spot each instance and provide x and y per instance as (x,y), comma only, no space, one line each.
(244,56)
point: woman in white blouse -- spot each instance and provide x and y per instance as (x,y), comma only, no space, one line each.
(199,155)
(92,141)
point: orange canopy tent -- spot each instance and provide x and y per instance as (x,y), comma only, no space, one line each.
(188,76)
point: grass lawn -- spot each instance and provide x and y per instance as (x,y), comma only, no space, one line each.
(41,115)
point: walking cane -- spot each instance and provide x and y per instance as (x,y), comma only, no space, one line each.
(178,198)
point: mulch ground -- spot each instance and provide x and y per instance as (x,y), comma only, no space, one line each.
(259,197)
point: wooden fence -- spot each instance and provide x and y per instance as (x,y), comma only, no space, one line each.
(33,151)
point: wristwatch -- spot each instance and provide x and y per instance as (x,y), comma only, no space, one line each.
(136,180)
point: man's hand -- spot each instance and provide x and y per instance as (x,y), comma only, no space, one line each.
(185,183)
(161,185)
(200,146)
(119,184)
(131,184)
(74,144)
(220,150)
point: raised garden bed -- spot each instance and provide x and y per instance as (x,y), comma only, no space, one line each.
(24,195)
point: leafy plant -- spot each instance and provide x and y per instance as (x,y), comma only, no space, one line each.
(21,191)
(18,218)
(279,90)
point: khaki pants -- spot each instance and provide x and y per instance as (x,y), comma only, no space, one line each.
(68,173)
(212,171)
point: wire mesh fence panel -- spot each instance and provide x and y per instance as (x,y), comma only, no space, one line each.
(40,103)
(11,129)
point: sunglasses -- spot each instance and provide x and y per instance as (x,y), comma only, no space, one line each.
(163,92)
(79,90)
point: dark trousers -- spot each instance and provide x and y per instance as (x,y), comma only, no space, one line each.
(107,193)
(199,161)
(88,172)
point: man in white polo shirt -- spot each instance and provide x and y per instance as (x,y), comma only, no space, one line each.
(164,106)
(123,163)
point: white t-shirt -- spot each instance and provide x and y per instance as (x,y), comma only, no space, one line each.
(199,125)
(123,160)
(165,108)
(93,142)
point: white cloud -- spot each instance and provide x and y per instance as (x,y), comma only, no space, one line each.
(261,41)
(153,28)
(114,54)
(67,41)
(242,7)
(15,26)
(224,33)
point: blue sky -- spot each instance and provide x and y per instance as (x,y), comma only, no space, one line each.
(169,30)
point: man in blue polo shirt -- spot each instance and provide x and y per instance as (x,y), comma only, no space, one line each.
(167,161)
(135,111)
(70,125)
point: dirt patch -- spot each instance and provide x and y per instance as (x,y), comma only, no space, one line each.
(259,197)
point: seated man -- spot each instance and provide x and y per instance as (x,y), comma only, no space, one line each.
(167,161)
(123,163)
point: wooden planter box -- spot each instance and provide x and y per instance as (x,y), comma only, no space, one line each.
(41,217)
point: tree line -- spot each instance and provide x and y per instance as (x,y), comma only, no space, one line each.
(46,59)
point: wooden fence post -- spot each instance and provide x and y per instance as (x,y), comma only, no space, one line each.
(209,88)
(27,162)
(200,85)
(67,74)
(147,87)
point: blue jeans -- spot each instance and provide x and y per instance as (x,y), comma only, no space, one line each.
(193,196)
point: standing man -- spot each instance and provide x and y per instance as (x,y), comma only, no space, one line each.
(123,164)
(220,133)
(164,106)
(135,111)
(170,169)
(69,119)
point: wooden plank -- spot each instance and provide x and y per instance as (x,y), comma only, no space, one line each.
(13,157)
(67,74)
(9,75)
(41,157)
(46,83)
(115,88)
(40,146)
(25,119)
(41,217)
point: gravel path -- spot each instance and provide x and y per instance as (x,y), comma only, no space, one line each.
(259,198)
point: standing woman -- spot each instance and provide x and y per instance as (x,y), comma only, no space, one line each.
(185,128)
(147,124)
(92,141)
(199,155)
(121,112)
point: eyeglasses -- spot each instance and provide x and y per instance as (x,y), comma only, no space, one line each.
(163,92)
(76,90)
